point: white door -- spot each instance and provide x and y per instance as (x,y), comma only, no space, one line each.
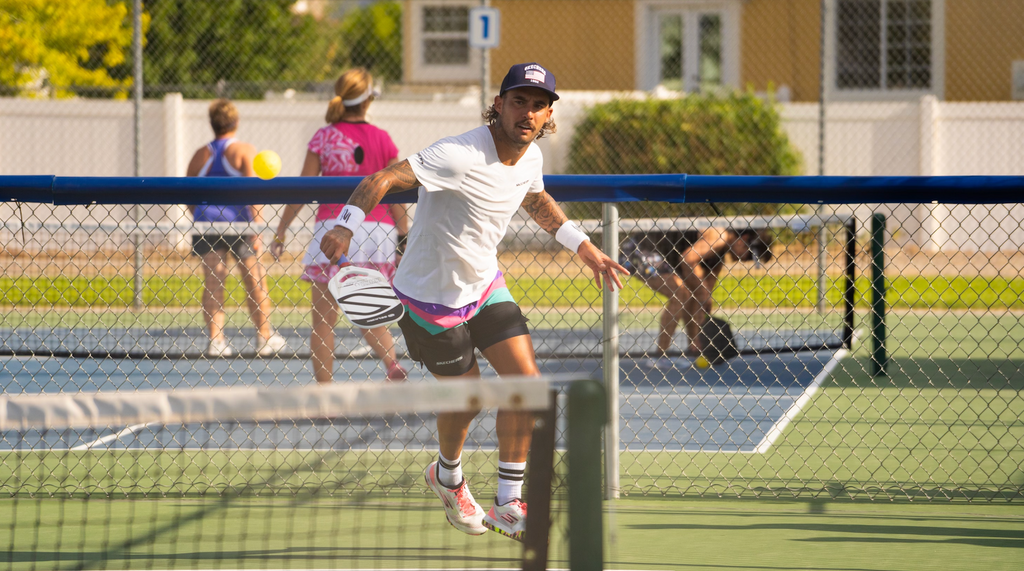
(690,50)
(688,45)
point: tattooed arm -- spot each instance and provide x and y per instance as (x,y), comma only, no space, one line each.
(546,212)
(395,178)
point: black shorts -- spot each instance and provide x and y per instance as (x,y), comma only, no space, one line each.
(451,353)
(239,245)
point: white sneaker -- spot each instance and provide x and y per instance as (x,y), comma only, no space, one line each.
(359,351)
(508,520)
(271,345)
(219,348)
(460,508)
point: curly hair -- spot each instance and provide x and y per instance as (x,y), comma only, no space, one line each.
(492,116)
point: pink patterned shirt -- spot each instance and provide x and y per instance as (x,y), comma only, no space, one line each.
(353,149)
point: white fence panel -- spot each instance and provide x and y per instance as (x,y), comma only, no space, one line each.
(94,138)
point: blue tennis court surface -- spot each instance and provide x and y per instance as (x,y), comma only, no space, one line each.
(738,406)
(732,407)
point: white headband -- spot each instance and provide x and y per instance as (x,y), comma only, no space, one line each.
(366,95)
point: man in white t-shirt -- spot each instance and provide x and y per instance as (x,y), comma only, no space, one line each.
(456,300)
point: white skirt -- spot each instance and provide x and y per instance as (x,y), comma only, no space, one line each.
(373,242)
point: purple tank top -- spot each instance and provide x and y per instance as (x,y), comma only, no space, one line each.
(217,165)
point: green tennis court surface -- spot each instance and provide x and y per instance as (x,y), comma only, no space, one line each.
(647,533)
(170,506)
(819,534)
(934,429)
(937,429)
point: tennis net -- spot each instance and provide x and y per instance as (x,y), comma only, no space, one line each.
(80,317)
(298,477)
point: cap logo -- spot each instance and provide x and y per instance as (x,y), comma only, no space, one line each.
(536,73)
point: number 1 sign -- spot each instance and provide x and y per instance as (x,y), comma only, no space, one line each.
(484,24)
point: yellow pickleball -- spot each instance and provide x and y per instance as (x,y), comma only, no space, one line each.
(267,164)
(702,362)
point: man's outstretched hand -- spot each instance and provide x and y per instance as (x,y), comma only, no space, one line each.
(605,269)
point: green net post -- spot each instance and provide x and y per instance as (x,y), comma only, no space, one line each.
(850,289)
(538,493)
(586,411)
(879,358)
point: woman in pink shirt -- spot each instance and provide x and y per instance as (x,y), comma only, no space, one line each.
(349,146)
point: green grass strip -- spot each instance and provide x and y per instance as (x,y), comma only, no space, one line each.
(770,292)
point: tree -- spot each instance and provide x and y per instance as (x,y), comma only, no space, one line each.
(51,48)
(735,133)
(373,37)
(191,46)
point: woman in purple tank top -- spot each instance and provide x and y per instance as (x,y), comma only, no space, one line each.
(226,156)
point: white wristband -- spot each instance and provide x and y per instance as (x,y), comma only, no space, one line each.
(570,236)
(351,217)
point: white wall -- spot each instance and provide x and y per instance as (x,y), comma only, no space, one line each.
(922,138)
(927,137)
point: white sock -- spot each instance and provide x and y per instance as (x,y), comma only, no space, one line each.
(510,481)
(449,472)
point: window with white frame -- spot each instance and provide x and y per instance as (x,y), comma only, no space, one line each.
(445,35)
(887,46)
(441,41)
(687,45)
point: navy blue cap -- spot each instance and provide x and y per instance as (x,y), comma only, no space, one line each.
(529,75)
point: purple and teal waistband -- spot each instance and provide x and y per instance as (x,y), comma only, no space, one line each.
(436,318)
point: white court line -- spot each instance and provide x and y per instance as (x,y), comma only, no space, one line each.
(162,448)
(779,427)
(117,436)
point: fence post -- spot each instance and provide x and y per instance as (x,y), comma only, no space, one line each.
(485,72)
(137,102)
(175,161)
(586,410)
(822,230)
(610,352)
(879,358)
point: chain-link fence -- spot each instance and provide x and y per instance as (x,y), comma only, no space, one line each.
(910,86)
(801,409)
(761,87)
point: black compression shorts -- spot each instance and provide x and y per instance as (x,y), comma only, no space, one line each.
(241,245)
(451,352)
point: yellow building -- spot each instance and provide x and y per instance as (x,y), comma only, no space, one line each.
(957,50)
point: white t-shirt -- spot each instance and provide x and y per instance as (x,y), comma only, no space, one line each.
(465,205)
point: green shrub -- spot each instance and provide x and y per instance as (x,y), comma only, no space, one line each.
(735,134)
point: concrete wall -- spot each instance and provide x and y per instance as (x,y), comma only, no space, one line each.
(983,38)
(781,45)
(592,44)
(927,137)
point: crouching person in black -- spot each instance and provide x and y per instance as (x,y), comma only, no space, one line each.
(684,266)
